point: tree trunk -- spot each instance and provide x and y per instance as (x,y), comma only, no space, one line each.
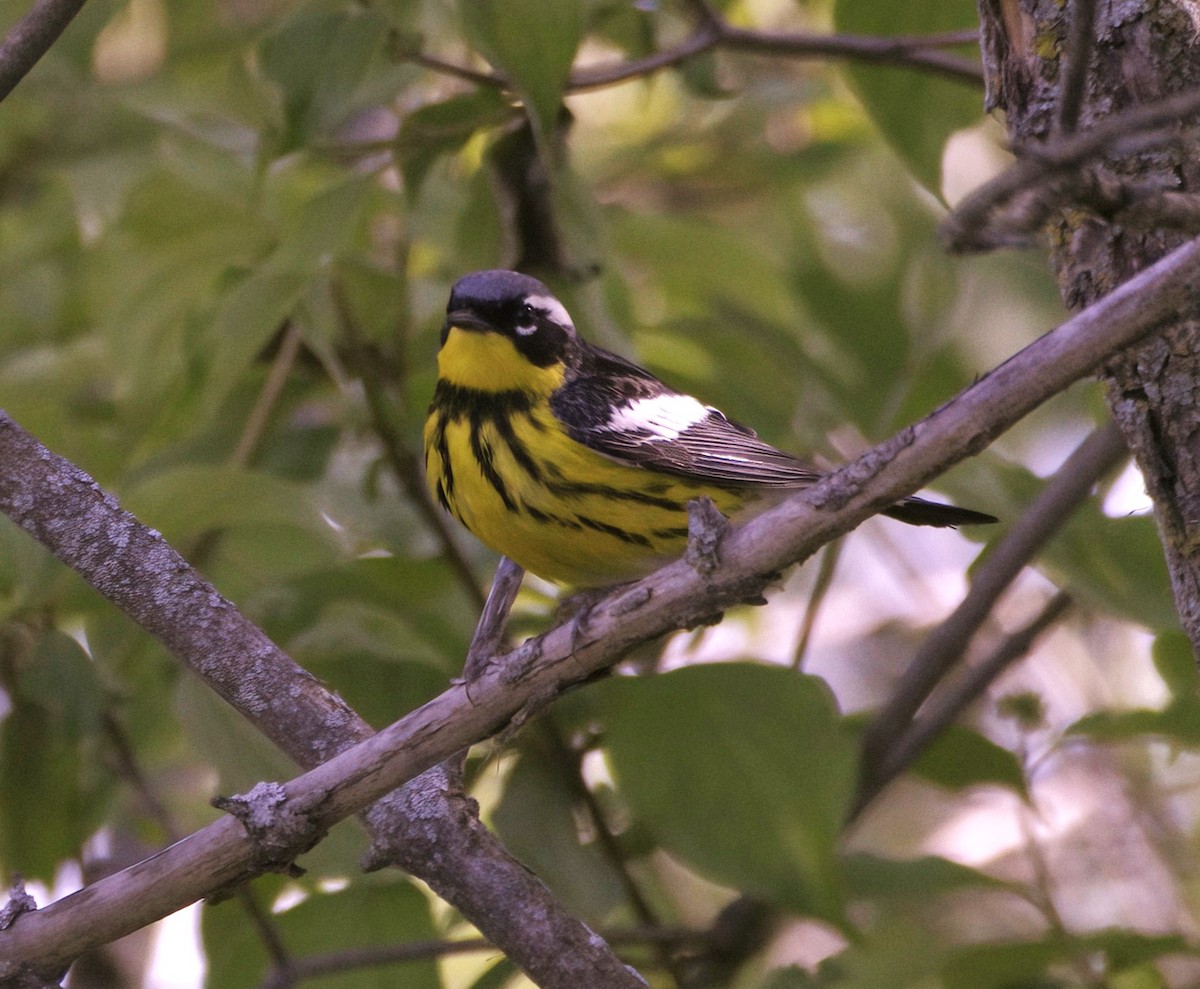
(1137,52)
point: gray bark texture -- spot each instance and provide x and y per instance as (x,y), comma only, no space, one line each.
(1054,68)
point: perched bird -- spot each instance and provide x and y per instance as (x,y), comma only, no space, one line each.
(576,463)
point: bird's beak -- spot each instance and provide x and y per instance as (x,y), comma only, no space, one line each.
(464,319)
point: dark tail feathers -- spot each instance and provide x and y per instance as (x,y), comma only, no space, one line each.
(918,511)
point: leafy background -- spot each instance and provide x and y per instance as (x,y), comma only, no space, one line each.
(227,232)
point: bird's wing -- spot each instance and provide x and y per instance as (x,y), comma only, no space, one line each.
(622,411)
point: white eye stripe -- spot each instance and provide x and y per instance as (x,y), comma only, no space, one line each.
(664,416)
(551,307)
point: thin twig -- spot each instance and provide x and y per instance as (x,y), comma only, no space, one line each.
(268,396)
(354,959)
(463,72)
(200,549)
(265,927)
(945,708)
(902,52)
(824,580)
(610,847)
(31,37)
(946,644)
(714,32)
(403,462)
(704,38)
(1075,59)
(131,771)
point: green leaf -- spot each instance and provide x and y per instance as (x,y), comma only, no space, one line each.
(902,102)
(1179,721)
(537,819)
(365,915)
(405,609)
(380,689)
(743,771)
(1002,966)
(873,877)
(28,573)
(319,59)
(53,787)
(1176,663)
(61,680)
(239,753)
(191,499)
(439,129)
(256,308)
(960,757)
(533,44)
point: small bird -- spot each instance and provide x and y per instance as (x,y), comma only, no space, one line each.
(577,463)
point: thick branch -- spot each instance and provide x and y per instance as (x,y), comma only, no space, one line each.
(136,570)
(674,597)
(31,37)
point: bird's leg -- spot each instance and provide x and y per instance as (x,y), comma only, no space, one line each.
(493,620)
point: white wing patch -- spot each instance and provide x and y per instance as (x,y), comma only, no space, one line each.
(665,417)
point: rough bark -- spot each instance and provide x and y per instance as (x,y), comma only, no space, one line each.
(1137,53)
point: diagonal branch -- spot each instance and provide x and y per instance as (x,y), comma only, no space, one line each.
(946,644)
(31,37)
(135,569)
(979,223)
(946,707)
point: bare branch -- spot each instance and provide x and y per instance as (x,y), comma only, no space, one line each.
(31,37)
(946,708)
(978,223)
(946,644)
(63,508)
(828,565)
(136,570)
(905,52)
(713,32)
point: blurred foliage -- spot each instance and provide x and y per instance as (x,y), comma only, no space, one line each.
(185,187)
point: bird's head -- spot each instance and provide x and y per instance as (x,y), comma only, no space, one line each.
(505,330)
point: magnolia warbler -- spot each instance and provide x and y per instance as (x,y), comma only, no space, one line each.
(576,463)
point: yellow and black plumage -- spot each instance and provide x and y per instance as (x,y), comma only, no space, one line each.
(576,463)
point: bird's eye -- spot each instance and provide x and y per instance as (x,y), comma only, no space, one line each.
(526,324)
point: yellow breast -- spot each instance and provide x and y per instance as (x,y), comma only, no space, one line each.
(505,467)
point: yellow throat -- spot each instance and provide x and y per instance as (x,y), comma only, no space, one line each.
(490,362)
